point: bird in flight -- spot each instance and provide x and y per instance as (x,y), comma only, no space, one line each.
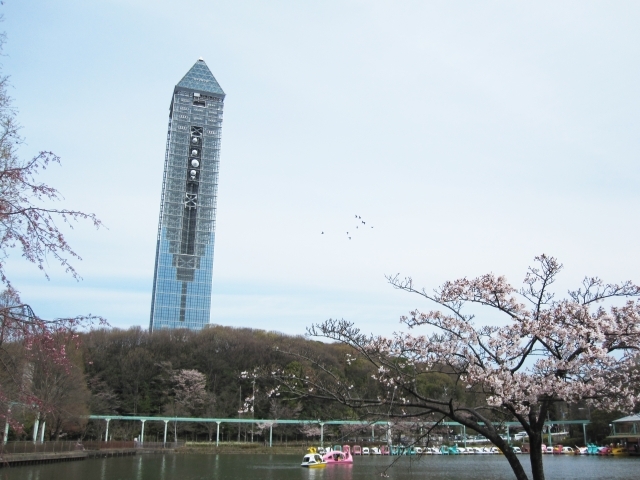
(357,217)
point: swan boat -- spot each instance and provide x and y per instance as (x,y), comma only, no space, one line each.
(313,460)
(335,457)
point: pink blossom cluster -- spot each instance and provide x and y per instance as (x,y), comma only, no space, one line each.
(31,343)
(571,349)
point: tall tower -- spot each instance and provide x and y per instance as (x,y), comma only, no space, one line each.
(184,253)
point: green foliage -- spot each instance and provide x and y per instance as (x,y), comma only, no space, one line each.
(131,371)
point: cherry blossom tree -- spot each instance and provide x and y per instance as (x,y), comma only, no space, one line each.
(310,430)
(30,224)
(544,350)
(35,360)
(58,388)
(189,395)
(189,390)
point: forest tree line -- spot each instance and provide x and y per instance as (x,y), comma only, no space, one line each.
(183,373)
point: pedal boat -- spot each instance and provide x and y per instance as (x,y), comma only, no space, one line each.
(313,460)
(338,458)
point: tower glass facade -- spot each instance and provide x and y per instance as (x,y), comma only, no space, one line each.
(181,295)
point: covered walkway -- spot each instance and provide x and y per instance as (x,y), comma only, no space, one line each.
(273,422)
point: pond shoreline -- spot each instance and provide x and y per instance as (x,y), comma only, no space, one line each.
(241,448)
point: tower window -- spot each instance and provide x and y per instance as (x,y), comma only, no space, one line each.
(197,100)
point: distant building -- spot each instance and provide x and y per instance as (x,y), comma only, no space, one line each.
(186,232)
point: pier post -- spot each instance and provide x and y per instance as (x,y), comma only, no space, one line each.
(270,434)
(508,436)
(6,432)
(322,434)
(164,441)
(389,435)
(584,432)
(142,433)
(44,423)
(373,433)
(106,432)
(464,435)
(35,428)
(218,434)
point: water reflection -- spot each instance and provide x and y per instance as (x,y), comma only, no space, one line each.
(163,466)
(339,472)
(315,473)
(139,469)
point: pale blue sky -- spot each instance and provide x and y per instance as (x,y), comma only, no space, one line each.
(472,135)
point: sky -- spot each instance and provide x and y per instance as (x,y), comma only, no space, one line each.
(472,136)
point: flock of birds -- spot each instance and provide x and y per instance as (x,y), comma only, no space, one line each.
(359,222)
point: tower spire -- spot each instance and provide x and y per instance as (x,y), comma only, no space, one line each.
(200,79)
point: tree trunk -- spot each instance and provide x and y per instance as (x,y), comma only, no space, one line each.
(535,456)
(511,457)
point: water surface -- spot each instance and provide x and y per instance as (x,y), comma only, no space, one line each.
(286,467)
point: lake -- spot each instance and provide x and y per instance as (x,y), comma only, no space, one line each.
(286,467)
